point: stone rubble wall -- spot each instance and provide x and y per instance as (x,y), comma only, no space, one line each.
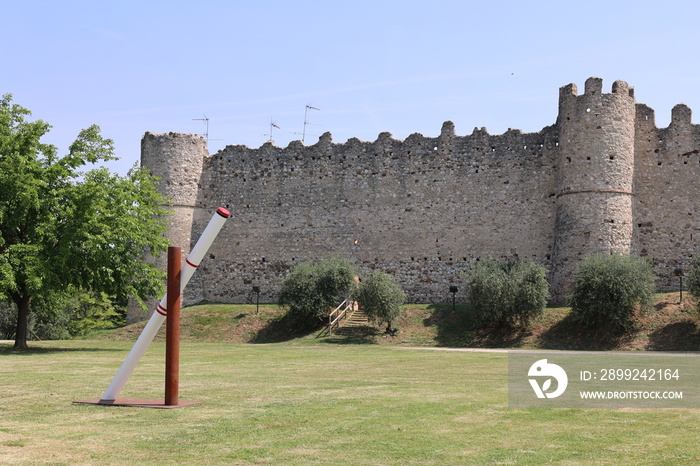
(603,178)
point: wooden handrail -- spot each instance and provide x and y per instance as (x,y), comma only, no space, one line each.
(342,311)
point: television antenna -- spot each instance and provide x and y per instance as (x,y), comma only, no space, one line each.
(272,125)
(206,130)
(206,122)
(306,121)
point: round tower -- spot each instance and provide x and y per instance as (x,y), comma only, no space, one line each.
(595,172)
(177,160)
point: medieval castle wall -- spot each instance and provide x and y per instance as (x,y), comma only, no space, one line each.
(603,178)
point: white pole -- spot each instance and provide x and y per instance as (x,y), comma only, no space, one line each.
(158,317)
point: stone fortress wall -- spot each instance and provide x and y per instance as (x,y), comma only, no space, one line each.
(602,178)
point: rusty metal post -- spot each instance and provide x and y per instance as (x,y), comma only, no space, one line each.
(172,341)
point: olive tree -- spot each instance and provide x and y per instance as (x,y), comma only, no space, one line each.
(505,292)
(608,289)
(310,290)
(380,297)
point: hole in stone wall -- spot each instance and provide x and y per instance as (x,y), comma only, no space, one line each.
(588,158)
(588,110)
(612,157)
(658,163)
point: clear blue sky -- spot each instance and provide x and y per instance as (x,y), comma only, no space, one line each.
(369,66)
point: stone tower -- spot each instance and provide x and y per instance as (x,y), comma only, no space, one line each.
(595,177)
(176,159)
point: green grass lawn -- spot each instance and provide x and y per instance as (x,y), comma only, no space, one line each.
(310,404)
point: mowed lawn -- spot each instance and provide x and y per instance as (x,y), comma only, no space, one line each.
(310,404)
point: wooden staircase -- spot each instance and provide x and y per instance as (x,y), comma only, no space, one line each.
(345,320)
(355,323)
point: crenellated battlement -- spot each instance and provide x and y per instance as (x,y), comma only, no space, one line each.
(602,178)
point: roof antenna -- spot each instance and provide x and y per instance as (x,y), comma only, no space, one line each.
(206,121)
(272,125)
(306,122)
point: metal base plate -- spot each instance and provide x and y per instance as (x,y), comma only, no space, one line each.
(138,403)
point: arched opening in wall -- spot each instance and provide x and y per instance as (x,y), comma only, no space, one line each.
(611,156)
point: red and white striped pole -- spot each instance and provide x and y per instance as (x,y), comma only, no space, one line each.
(158,317)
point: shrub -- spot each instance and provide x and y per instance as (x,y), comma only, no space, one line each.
(8,320)
(692,279)
(380,297)
(311,290)
(80,312)
(505,292)
(60,316)
(608,289)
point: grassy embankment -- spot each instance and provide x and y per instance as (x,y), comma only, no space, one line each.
(671,326)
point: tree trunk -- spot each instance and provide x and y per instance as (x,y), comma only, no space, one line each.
(22,320)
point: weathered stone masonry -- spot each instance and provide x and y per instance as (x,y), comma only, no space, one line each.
(603,178)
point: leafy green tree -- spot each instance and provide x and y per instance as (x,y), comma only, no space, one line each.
(608,289)
(380,298)
(506,292)
(311,290)
(62,227)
